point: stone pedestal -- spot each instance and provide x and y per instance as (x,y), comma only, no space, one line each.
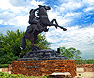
(47,54)
(43,67)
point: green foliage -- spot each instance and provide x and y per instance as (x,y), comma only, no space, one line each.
(10,45)
(7,75)
(42,42)
(70,53)
(81,61)
(6,59)
(89,61)
(4,65)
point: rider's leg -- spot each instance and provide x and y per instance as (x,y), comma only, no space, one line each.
(39,27)
(29,29)
(34,21)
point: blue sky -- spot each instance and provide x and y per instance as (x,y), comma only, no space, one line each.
(76,15)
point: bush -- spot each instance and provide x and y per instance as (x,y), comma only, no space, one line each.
(6,59)
(7,75)
(4,65)
(89,61)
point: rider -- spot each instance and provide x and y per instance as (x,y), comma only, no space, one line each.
(34,20)
(45,29)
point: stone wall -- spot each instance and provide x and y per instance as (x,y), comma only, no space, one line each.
(89,68)
(43,67)
(6,70)
(86,67)
(86,70)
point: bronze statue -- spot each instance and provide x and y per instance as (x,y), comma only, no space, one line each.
(37,25)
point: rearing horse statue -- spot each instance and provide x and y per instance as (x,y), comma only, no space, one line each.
(44,22)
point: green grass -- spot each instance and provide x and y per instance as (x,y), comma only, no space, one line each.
(7,75)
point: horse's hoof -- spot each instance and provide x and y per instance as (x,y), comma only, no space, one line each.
(64,29)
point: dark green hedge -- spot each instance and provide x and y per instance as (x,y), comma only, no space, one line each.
(6,59)
(4,65)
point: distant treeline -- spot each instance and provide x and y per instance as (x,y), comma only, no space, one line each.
(89,61)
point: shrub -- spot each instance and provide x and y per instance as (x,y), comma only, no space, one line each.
(7,75)
(6,59)
(3,65)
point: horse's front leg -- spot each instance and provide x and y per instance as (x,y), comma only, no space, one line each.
(56,25)
(54,20)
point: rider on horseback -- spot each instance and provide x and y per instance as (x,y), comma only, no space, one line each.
(37,25)
(34,20)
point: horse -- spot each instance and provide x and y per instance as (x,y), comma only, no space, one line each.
(44,22)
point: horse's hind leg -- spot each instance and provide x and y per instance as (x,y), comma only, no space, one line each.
(35,39)
(34,47)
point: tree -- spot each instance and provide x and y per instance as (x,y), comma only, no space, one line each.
(70,53)
(42,42)
(11,43)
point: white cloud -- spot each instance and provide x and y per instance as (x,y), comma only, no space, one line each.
(66,19)
(36,3)
(1,21)
(88,9)
(80,38)
(19,21)
(4,4)
(70,5)
(15,12)
(21,8)
(11,28)
(89,5)
(73,14)
(26,3)
(18,3)
(89,2)
(6,16)
(62,21)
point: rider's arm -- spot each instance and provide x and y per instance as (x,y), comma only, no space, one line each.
(36,9)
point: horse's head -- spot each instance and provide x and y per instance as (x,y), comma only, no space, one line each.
(45,7)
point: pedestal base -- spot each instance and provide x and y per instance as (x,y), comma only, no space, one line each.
(43,67)
(47,54)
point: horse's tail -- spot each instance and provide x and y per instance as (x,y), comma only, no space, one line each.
(23,42)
